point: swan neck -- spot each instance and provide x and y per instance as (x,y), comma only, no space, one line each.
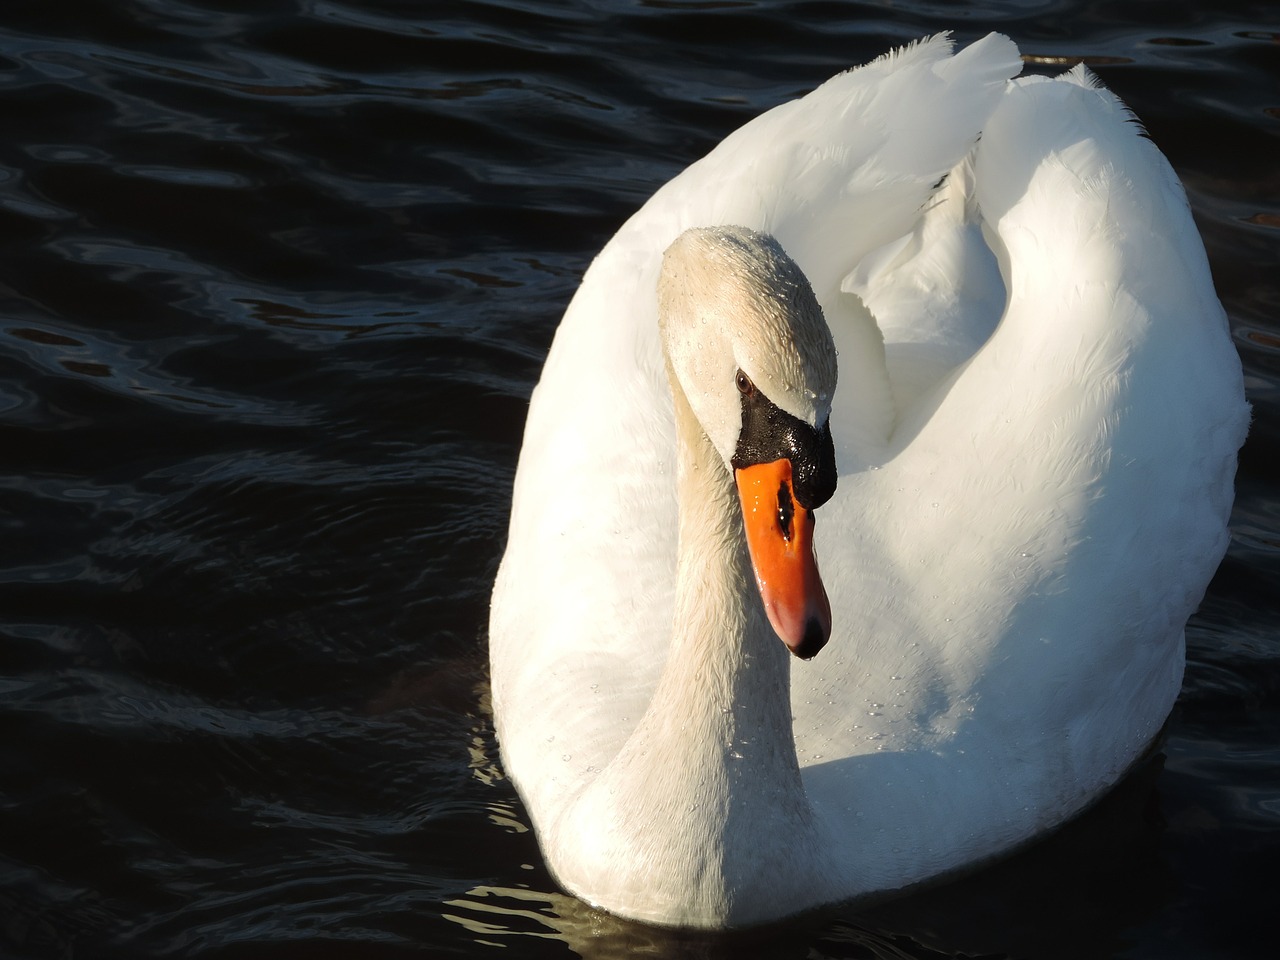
(701,818)
(712,763)
(724,656)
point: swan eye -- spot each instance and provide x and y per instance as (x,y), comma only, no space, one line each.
(745,386)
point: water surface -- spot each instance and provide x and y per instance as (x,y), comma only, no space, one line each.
(277,280)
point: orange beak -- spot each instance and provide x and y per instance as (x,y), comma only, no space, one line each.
(780,539)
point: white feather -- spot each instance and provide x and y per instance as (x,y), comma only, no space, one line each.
(1037,417)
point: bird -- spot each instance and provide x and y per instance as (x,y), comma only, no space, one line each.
(873,473)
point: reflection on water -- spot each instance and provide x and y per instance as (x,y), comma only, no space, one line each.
(277,281)
(1073,894)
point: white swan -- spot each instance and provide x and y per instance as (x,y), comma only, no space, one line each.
(1035,432)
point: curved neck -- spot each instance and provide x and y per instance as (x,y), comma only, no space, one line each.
(704,805)
(725,665)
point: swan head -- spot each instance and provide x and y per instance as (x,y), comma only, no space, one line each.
(748,347)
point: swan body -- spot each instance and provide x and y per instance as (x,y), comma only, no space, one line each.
(1034,427)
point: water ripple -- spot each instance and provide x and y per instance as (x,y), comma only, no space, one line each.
(278,281)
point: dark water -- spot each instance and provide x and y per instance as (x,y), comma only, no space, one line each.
(277,278)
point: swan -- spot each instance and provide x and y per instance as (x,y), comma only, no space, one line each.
(765,638)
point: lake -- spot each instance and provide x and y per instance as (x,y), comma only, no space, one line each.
(277,280)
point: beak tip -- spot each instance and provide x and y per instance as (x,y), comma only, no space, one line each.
(814,639)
